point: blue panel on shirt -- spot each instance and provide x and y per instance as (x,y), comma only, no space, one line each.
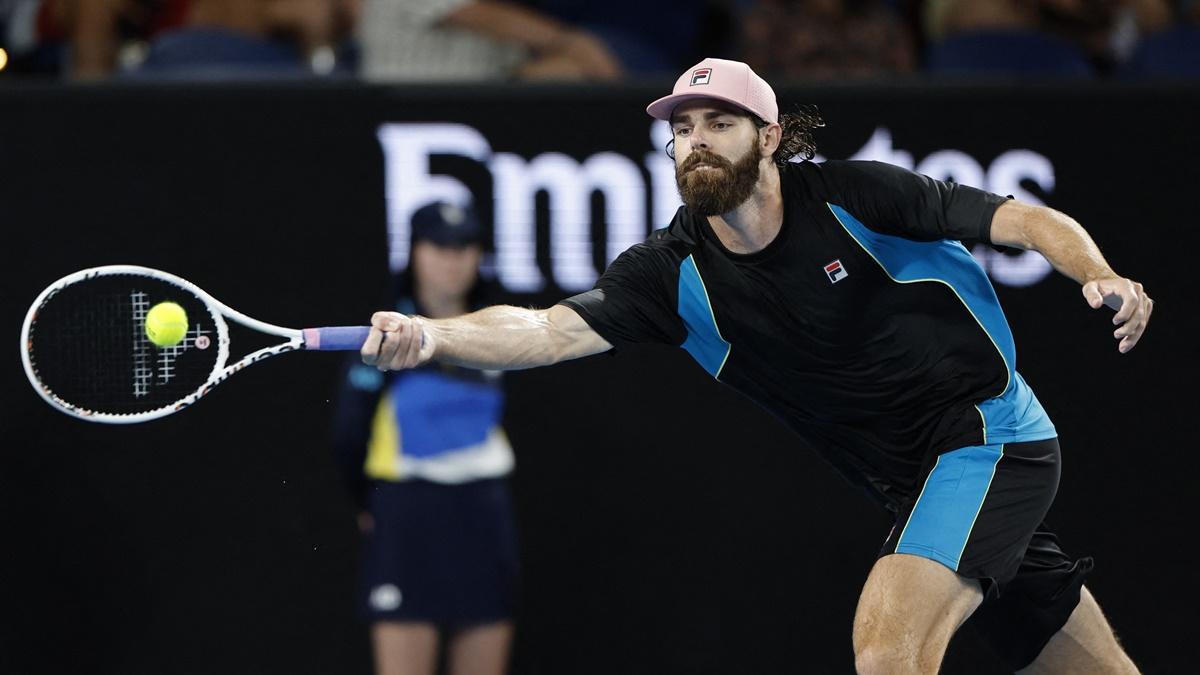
(704,341)
(1015,415)
(439,414)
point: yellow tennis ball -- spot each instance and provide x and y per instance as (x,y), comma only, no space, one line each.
(166,324)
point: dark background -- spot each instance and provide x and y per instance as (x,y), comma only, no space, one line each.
(667,525)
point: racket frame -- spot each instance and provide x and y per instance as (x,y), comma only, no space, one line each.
(219,312)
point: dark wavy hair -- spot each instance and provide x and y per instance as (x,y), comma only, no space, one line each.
(796,139)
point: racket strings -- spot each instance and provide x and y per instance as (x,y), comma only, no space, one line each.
(60,350)
(166,358)
(88,346)
(139,305)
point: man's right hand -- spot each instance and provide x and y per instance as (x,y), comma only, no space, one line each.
(396,342)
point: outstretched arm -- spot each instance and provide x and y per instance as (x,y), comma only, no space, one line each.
(495,338)
(1072,252)
(558,49)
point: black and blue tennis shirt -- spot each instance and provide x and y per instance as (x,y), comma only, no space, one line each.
(865,325)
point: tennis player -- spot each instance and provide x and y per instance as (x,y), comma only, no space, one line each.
(838,296)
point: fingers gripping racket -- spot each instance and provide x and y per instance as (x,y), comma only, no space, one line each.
(86,351)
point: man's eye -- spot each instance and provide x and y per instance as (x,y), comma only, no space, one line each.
(720,125)
(682,131)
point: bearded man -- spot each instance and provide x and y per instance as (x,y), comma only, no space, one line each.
(839,297)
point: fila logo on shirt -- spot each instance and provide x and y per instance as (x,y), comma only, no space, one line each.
(701,75)
(836,272)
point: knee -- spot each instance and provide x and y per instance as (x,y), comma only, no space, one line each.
(888,658)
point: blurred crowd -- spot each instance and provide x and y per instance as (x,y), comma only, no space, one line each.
(590,40)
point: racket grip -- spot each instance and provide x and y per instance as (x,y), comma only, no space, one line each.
(336,338)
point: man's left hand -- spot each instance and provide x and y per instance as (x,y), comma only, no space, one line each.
(1131,302)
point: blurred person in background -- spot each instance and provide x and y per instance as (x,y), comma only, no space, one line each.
(243,38)
(633,29)
(106,33)
(823,39)
(33,37)
(79,38)
(94,39)
(476,40)
(1173,51)
(426,462)
(1105,32)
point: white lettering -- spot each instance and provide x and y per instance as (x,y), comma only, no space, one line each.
(570,184)
(1009,169)
(663,190)
(408,185)
(952,165)
(879,148)
(624,190)
(1004,177)
(515,233)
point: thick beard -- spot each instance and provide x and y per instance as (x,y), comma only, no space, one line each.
(712,193)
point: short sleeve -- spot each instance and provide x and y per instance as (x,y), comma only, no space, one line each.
(892,200)
(632,301)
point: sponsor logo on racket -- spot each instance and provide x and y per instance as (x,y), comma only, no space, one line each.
(701,75)
(202,342)
(836,272)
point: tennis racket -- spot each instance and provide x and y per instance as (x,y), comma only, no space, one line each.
(86,352)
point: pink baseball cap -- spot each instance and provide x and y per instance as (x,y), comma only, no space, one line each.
(729,81)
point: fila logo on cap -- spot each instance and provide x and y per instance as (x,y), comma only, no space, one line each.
(836,272)
(701,75)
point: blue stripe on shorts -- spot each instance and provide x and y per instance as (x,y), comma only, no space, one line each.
(942,519)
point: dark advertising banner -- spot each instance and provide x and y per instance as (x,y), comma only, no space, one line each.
(667,525)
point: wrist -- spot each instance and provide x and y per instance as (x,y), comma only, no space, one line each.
(427,329)
(1099,275)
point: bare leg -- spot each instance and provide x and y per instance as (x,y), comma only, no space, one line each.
(481,650)
(909,609)
(1085,645)
(404,648)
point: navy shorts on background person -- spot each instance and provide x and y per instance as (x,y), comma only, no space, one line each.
(443,554)
(980,512)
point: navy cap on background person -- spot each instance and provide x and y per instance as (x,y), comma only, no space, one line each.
(446,225)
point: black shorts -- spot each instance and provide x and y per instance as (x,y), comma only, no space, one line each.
(443,554)
(980,512)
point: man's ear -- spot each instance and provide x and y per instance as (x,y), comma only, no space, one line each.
(772,136)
